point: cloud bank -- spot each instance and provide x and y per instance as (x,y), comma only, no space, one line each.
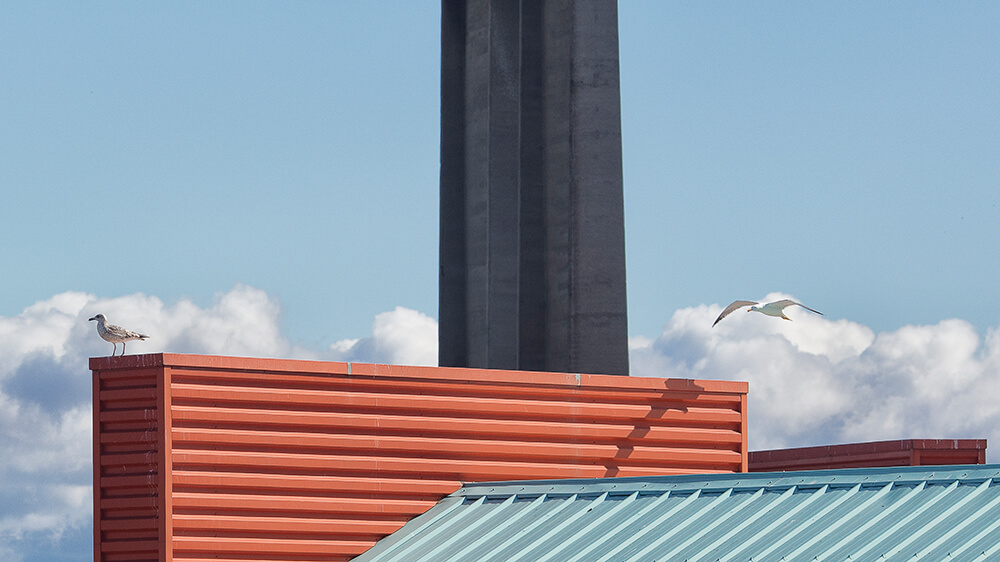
(816,381)
(812,381)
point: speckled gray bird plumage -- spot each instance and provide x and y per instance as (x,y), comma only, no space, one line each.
(115,334)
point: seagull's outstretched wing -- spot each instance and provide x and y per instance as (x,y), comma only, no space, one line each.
(785,303)
(735,306)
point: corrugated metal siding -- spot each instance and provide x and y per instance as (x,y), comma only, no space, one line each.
(128,454)
(906,452)
(948,513)
(300,460)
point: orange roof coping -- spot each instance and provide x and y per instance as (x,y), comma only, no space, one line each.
(415,372)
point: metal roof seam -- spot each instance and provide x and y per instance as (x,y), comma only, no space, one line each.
(843,520)
(711,526)
(653,524)
(593,524)
(816,517)
(941,516)
(535,504)
(915,491)
(955,529)
(458,520)
(988,553)
(400,540)
(611,536)
(746,522)
(887,533)
(499,550)
(465,530)
(785,496)
(834,479)
(661,498)
(992,528)
(526,553)
(697,515)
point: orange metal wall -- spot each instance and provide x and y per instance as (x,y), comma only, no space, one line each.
(203,457)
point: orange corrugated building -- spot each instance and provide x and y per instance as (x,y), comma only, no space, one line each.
(204,457)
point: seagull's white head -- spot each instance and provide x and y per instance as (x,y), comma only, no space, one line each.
(753,308)
(99,318)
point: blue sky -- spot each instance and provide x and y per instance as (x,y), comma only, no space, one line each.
(262,179)
(842,152)
(178,150)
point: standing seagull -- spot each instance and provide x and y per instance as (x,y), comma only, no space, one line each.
(115,334)
(776,309)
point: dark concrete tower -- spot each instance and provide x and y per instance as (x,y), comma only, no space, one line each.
(532,222)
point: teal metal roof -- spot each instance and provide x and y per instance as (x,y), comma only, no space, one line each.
(884,514)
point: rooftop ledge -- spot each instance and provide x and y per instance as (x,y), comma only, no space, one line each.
(300,366)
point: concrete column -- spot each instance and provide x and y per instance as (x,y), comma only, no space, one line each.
(532,225)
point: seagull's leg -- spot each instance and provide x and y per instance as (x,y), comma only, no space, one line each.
(123,349)
(114,348)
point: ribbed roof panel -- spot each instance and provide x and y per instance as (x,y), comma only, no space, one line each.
(918,513)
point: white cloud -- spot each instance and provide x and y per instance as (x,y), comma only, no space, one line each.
(43,327)
(399,337)
(818,381)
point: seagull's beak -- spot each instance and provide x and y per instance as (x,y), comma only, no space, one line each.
(92,318)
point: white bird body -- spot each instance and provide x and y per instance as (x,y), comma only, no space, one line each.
(115,334)
(776,308)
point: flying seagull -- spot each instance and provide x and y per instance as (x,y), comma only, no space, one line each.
(115,334)
(776,308)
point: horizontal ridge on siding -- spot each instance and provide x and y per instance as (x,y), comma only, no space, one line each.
(359,423)
(306,460)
